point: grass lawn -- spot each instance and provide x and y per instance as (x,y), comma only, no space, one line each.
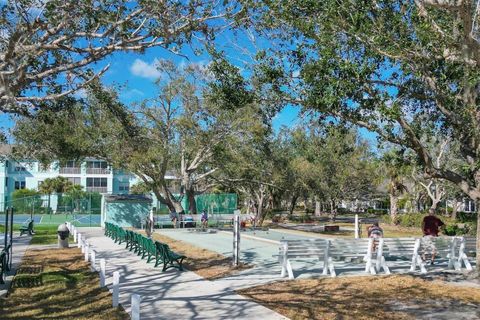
(57,284)
(46,234)
(208,264)
(363,297)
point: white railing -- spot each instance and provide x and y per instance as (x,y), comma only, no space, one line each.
(97,189)
(74,170)
(98,171)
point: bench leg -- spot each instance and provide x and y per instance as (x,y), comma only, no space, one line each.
(464,258)
(290,270)
(331,268)
(284,270)
(383,264)
(325,267)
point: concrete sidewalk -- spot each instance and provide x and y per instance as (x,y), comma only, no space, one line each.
(171,294)
(20,245)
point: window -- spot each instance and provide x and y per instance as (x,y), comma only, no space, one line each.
(124,187)
(20,169)
(74,180)
(19,185)
(6,181)
(97,165)
(71,164)
(96,182)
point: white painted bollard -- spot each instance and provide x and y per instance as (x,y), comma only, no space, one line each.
(356,227)
(102,272)
(87,247)
(79,240)
(136,306)
(83,245)
(74,235)
(92,260)
(116,288)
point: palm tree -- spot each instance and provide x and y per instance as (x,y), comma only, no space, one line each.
(54,185)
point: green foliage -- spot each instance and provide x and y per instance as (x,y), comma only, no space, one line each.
(140,188)
(466,216)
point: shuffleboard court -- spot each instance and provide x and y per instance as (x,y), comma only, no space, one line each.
(277,235)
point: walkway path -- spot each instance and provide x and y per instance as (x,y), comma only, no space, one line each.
(171,294)
(20,245)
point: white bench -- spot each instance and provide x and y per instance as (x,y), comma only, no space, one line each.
(414,248)
(342,249)
(328,251)
(317,249)
(467,248)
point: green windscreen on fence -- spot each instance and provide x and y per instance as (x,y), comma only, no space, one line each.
(217,203)
(214,203)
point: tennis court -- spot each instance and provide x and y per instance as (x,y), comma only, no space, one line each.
(82,220)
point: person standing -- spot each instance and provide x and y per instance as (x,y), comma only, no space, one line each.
(430,226)
(204,219)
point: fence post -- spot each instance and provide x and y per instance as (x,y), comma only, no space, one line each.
(102,273)
(92,259)
(87,247)
(356,227)
(116,285)
(74,235)
(136,306)
(79,240)
(236,239)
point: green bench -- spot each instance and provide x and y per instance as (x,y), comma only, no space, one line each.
(145,247)
(27,228)
(169,258)
(4,263)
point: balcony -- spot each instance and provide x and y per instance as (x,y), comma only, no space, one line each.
(98,171)
(97,189)
(74,170)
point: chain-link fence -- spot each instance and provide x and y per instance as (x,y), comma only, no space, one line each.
(54,209)
(213,203)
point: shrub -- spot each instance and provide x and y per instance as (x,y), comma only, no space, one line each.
(451,230)
(466,216)
(411,220)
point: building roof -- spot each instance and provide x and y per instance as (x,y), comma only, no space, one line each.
(127,198)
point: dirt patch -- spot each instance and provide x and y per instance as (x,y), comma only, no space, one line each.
(207,264)
(57,284)
(380,297)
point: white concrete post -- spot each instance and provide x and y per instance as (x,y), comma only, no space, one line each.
(136,306)
(116,288)
(87,247)
(236,239)
(92,259)
(83,242)
(356,227)
(74,235)
(102,272)
(79,240)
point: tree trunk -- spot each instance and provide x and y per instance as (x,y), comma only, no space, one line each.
(192,204)
(260,212)
(333,209)
(317,208)
(433,207)
(293,202)
(477,209)
(394,208)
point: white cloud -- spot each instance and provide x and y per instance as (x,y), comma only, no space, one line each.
(132,94)
(143,69)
